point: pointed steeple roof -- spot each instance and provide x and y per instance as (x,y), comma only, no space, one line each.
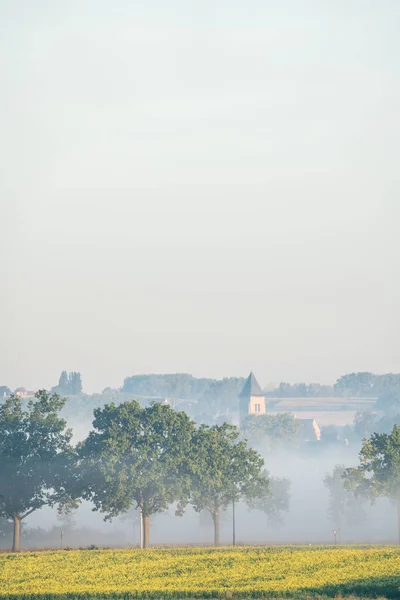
(251,387)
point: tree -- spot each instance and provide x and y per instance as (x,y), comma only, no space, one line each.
(223,470)
(36,458)
(379,471)
(75,383)
(276,502)
(389,402)
(365,423)
(137,458)
(63,383)
(367,384)
(301,390)
(343,505)
(69,384)
(356,384)
(268,433)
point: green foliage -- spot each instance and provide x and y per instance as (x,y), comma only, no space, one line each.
(367,423)
(343,505)
(269,433)
(174,385)
(205,400)
(219,400)
(366,384)
(379,471)
(224,469)
(36,458)
(137,457)
(301,390)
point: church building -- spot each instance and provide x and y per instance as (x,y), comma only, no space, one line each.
(252,399)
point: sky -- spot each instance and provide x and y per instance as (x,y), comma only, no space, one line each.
(205,186)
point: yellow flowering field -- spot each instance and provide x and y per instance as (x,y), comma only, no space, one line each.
(244,572)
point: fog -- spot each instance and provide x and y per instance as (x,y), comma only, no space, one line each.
(306,522)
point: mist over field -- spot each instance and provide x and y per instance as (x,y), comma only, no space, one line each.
(307,519)
(306,522)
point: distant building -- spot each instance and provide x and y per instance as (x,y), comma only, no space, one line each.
(252,399)
(22,392)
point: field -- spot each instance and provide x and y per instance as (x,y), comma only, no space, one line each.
(287,572)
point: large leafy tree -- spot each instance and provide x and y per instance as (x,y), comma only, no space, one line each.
(137,457)
(379,471)
(223,470)
(37,461)
(343,505)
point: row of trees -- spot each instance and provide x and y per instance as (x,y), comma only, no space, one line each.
(182,385)
(367,384)
(147,458)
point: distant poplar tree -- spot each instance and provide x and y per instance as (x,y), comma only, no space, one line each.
(69,384)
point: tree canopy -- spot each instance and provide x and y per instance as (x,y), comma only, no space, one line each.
(36,458)
(223,470)
(69,384)
(268,433)
(378,473)
(137,457)
(366,384)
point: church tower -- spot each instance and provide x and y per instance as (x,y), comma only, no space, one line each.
(252,399)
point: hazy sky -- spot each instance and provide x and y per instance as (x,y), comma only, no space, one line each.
(205,186)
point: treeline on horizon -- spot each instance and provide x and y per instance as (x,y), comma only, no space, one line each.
(186,386)
(182,385)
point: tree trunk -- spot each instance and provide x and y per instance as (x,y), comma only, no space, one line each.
(233,524)
(146,531)
(17,531)
(398,518)
(140,528)
(216,526)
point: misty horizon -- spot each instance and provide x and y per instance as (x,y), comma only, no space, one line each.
(267,387)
